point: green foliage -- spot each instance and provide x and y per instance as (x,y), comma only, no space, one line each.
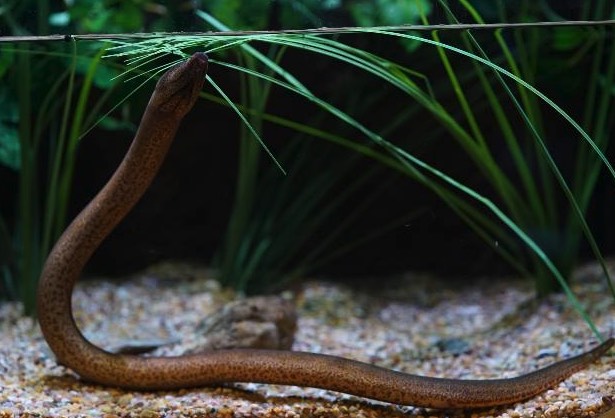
(507,221)
(9,140)
(88,16)
(306,13)
(257,14)
(93,16)
(45,108)
(389,12)
(557,228)
(275,218)
(241,15)
(45,96)
(525,219)
(47,111)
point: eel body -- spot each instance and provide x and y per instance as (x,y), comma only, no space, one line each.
(174,95)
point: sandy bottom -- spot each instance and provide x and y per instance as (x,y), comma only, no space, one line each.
(489,328)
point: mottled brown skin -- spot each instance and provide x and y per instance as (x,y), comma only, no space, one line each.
(173,97)
(608,414)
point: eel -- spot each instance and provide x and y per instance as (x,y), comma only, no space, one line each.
(173,97)
(608,414)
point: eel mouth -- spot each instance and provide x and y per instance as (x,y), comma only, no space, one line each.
(178,89)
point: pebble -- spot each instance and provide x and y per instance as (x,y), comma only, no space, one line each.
(442,332)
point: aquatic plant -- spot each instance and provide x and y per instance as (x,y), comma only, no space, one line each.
(513,222)
(49,126)
(539,221)
(47,106)
(510,227)
(536,205)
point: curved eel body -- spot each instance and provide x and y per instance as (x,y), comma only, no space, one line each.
(174,96)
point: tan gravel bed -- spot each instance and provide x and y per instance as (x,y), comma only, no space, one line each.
(418,324)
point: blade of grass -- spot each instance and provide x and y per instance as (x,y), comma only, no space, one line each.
(578,212)
(53,212)
(490,206)
(246,123)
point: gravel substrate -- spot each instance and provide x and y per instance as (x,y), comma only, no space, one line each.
(485,329)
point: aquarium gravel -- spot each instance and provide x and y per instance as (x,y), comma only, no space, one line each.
(479,329)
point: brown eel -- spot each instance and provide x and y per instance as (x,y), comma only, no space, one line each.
(174,95)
